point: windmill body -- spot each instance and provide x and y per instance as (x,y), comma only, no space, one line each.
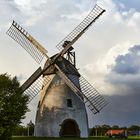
(54,118)
(64,92)
(60,112)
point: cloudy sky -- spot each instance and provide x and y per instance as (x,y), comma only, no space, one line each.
(108,55)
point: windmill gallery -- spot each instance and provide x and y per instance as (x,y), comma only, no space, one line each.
(64,93)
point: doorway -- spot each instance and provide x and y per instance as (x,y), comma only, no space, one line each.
(69,128)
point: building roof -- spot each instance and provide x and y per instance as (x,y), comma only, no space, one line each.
(112,132)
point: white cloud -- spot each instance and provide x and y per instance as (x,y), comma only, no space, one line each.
(28,5)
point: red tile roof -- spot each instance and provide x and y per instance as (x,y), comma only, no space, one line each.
(111,132)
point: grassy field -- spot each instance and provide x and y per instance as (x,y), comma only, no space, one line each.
(90,138)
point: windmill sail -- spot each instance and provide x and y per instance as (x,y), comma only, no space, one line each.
(92,94)
(35,49)
(35,87)
(92,98)
(33,84)
(95,13)
(32,79)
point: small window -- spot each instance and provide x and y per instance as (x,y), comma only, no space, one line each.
(57,82)
(69,102)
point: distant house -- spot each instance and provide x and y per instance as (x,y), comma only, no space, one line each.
(122,133)
(115,132)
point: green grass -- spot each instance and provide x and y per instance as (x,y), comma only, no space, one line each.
(90,138)
(40,138)
(134,137)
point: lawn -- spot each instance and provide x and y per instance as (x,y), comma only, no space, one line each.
(90,138)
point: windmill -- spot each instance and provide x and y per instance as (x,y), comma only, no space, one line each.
(64,92)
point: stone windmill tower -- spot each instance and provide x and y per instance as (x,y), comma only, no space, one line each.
(63,91)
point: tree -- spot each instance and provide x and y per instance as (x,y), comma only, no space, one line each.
(134,127)
(18,130)
(115,127)
(13,105)
(105,128)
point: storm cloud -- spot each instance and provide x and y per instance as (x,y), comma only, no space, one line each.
(126,70)
(128,63)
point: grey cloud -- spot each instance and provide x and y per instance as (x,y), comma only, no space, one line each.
(124,101)
(128,63)
(129,83)
(9,11)
(125,74)
(135,49)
